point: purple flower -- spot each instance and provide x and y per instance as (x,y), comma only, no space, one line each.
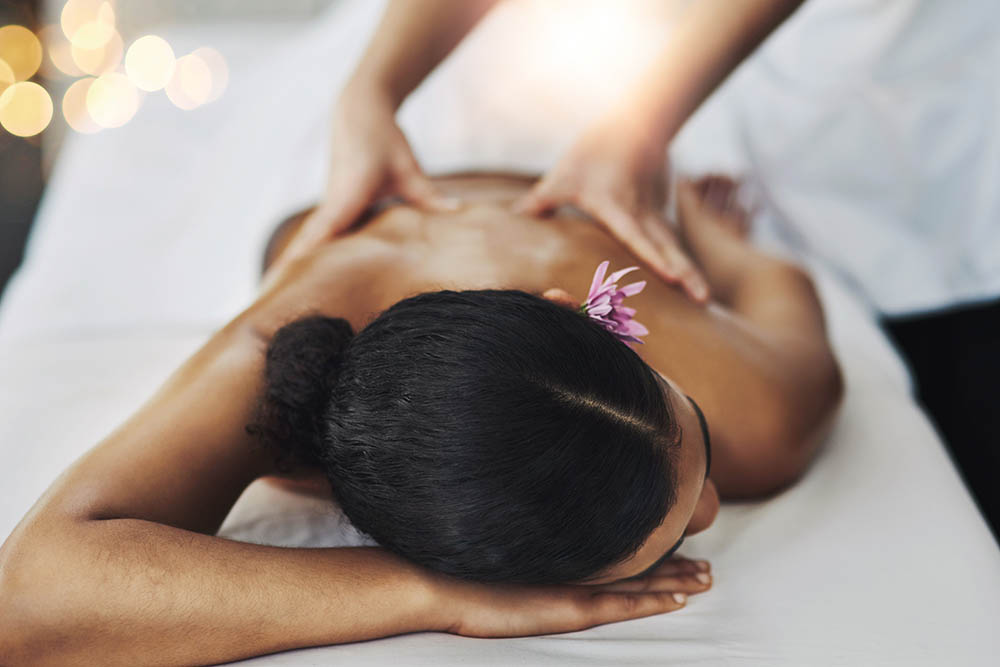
(604,304)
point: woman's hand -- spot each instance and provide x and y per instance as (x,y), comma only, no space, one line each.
(503,610)
(369,158)
(621,182)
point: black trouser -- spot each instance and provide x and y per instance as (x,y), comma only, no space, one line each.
(955,358)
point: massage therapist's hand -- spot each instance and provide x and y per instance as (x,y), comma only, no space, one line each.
(369,158)
(621,182)
(504,610)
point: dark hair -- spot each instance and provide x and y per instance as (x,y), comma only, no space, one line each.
(490,435)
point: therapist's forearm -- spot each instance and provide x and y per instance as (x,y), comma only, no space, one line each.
(710,39)
(129,592)
(412,38)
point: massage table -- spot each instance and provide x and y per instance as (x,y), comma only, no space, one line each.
(149,238)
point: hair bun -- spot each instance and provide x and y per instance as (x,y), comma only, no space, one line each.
(303,358)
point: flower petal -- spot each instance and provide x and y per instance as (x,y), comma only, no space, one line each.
(636,329)
(633,288)
(617,275)
(600,310)
(595,284)
(602,300)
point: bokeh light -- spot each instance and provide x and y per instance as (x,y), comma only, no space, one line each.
(21,50)
(112,100)
(76,14)
(218,68)
(150,63)
(60,57)
(25,109)
(100,60)
(6,76)
(191,84)
(107,83)
(93,35)
(74,107)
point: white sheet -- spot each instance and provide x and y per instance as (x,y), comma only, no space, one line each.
(149,237)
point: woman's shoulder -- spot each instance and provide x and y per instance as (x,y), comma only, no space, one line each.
(350,277)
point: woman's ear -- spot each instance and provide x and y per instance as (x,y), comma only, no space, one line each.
(560,297)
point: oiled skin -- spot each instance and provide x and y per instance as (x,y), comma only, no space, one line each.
(119,557)
(767,393)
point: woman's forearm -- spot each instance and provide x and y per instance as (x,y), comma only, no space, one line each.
(126,591)
(411,40)
(709,40)
(117,562)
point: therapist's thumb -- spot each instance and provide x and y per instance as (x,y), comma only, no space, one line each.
(416,188)
(535,202)
(328,220)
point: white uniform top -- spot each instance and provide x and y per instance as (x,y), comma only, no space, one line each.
(873,128)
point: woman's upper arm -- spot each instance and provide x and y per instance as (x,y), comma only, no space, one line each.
(184,458)
(768,400)
(774,426)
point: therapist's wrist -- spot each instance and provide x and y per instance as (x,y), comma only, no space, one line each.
(629,137)
(369,87)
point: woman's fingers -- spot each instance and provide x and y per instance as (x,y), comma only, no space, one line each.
(611,607)
(690,583)
(682,565)
(490,610)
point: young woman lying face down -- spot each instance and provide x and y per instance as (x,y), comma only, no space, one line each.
(524,470)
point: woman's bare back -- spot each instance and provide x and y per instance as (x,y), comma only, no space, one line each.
(764,375)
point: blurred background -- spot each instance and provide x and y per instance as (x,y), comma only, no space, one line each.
(173,135)
(87,66)
(53,51)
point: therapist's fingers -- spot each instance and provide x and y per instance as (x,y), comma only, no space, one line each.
(653,243)
(540,199)
(682,267)
(328,220)
(324,223)
(414,186)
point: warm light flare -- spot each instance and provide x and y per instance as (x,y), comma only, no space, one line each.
(74,107)
(21,50)
(76,14)
(100,60)
(6,76)
(573,59)
(106,93)
(25,109)
(150,63)
(217,67)
(92,35)
(112,100)
(191,84)
(59,51)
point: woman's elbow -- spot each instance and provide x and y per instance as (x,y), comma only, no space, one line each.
(31,603)
(16,636)
(799,428)
(785,434)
